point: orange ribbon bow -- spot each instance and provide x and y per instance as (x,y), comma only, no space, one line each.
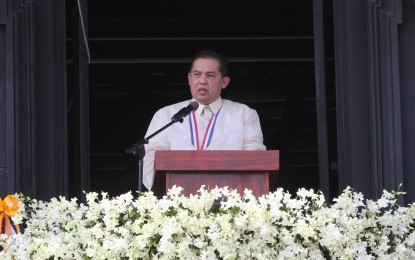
(8,209)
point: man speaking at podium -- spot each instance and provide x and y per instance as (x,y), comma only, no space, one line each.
(212,123)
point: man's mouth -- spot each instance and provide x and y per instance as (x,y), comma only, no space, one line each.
(202,91)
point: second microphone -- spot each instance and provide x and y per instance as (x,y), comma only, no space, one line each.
(185,111)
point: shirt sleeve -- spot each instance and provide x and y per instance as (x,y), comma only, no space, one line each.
(253,138)
(158,142)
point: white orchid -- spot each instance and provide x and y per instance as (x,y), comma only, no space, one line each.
(215,223)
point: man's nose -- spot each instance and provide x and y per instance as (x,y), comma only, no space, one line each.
(203,79)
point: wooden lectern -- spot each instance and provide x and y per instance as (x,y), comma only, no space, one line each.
(254,170)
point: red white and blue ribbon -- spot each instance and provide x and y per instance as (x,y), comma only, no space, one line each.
(194,132)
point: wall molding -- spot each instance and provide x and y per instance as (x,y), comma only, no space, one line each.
(384,89)
(368,94)
(36,97)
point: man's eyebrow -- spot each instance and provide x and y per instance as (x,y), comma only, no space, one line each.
(207,72)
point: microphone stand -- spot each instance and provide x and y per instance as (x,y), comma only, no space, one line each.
(138,149)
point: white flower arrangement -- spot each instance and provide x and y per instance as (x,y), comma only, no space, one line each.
(215,224)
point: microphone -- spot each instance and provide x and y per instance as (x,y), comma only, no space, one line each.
(185,111)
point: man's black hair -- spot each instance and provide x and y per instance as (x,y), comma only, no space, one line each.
(210,54)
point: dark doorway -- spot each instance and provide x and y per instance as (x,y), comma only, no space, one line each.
(140,54)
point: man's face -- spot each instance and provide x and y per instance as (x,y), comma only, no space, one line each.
(205,80)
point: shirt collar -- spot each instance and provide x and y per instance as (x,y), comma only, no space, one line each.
(215,106)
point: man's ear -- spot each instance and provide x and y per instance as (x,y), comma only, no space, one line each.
(225,82)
